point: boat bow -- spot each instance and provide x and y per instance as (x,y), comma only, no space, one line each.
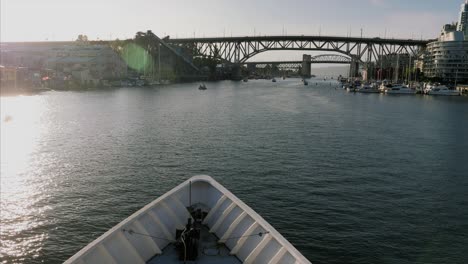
(156,231)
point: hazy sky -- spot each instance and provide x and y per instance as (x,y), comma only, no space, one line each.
(23,20)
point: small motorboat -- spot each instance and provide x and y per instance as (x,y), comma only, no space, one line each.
(273,80)
(199,221)
(306,82)
(350,88)
(202,87)
(399,89)
(367,88)
(439,89)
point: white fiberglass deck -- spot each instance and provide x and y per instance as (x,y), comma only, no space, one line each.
(148,236)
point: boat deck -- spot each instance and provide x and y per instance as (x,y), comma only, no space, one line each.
(177,225)
(209,251)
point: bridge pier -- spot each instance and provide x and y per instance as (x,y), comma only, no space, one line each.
(251,67)
(306,66)
(236,72)
(354,68)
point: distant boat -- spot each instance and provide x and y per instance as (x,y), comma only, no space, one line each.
(273,80)
(245,79)
(140,83)
(306,82)
(350,88)
(202,87)
(154,83)
(367,88)
(441,90)
(399,89)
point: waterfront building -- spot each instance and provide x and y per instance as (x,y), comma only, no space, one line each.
(27,55)
(449,32)
(18,78)
(447,58)
(463,20)
(87,62)
(7,76)
(83,62)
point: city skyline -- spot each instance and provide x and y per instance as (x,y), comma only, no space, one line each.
(23,20)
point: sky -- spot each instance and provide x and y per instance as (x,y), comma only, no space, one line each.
(33,20)
(39,20)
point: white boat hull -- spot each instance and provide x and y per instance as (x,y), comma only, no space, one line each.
(368,91)
(232,221)
(401,92)
(452,93)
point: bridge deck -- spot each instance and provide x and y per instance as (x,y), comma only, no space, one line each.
(302,38)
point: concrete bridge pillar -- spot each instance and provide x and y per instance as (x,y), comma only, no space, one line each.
(252,68)
(354,68)
(306,66)
(236,72)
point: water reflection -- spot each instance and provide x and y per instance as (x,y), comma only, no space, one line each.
(362,173)
(21,191)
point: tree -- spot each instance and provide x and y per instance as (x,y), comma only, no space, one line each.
(82,38)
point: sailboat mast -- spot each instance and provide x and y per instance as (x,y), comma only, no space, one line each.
(409,70)
(397,67)
(159,62)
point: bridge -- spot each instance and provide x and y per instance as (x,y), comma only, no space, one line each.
(239,50)
(304,66)
(322,59)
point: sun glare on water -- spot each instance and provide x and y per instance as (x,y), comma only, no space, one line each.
(21,130)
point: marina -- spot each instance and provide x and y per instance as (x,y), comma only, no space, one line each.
(386,87)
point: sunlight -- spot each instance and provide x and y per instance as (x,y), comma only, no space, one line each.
(341,122)
(136,57)
(20,133)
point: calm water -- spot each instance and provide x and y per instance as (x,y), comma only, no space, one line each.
(347,178)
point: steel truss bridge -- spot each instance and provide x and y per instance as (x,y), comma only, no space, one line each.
(241,49)
(281,65)
(296,65)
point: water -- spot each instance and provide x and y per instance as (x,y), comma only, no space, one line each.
(346,178)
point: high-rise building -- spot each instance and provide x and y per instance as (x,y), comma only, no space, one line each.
(463,21)
(447,58)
